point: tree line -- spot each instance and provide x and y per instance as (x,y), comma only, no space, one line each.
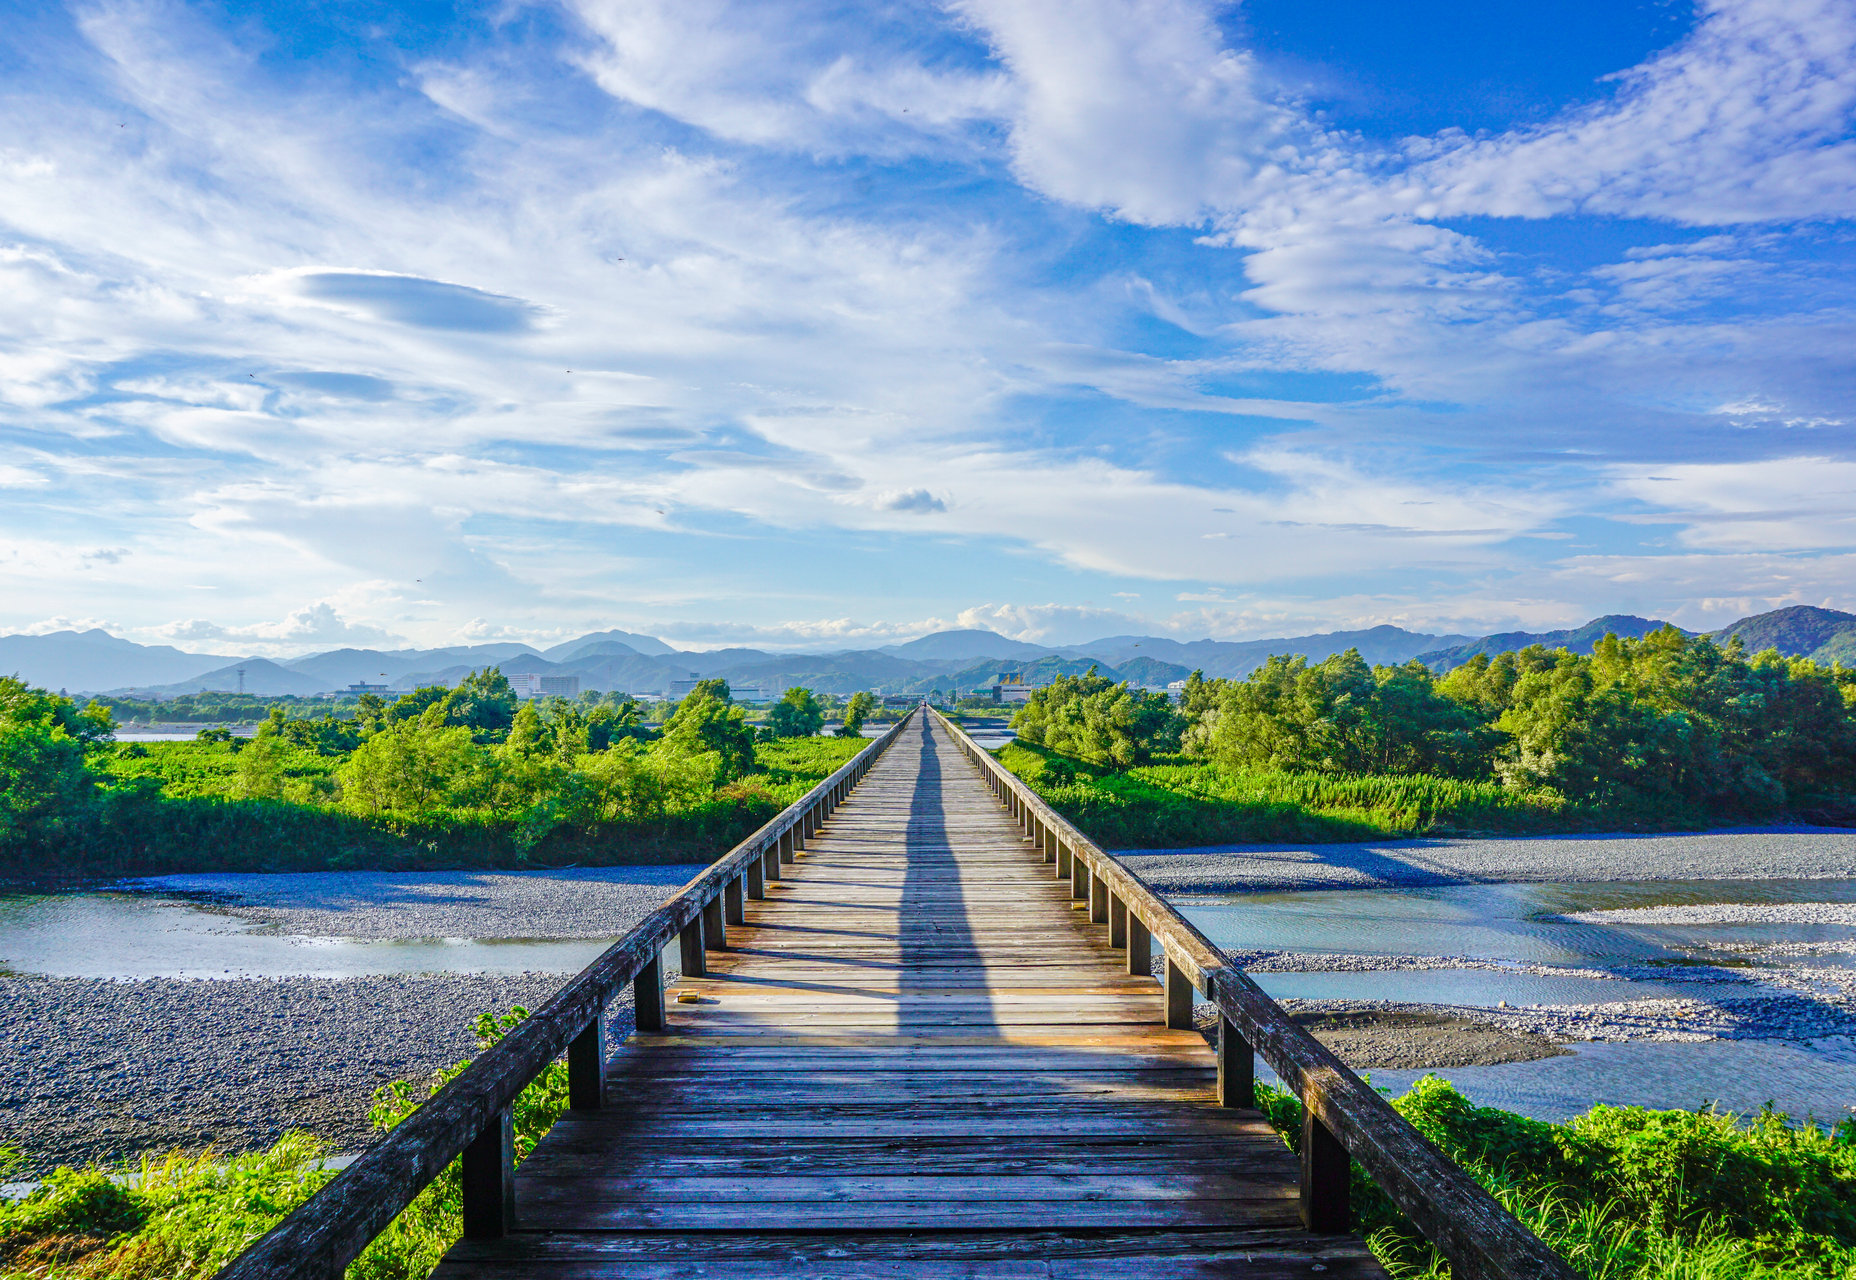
(472,756)
(1669,721)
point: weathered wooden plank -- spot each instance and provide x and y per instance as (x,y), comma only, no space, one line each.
(1257,1254)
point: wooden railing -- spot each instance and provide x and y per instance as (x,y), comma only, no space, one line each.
(471,1116)
(1343,1116)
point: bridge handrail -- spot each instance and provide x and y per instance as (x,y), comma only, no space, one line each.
(470,1116)
(1345,1116)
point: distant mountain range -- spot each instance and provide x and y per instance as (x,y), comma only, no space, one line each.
(95,661)
(1577,640)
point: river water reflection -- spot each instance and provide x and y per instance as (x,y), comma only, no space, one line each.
(125,935)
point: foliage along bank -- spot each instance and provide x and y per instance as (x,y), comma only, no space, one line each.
(1669,730)
(440,777)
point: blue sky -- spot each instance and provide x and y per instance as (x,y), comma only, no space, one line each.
(828,325)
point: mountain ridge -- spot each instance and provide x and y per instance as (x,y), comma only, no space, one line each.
(618,660)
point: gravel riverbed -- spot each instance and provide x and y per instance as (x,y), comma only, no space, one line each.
(1801,853)
(99,1070)
(105,1070)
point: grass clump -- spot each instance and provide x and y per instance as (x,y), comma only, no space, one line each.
(1629,1193)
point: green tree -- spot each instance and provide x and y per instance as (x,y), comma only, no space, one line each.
(1099,720)
(484,703)
(796,715)
(260,772)
(47,789)
(1339,716)
(856,711)
(417,766)
(708,723)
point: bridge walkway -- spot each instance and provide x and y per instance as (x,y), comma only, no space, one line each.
(916,1058)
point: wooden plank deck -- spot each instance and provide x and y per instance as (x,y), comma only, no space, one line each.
(916,1059)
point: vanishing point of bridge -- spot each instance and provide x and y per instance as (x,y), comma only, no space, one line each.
(902,1046)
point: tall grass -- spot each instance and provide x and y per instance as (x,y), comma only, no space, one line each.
(1627,1193)
(1180,803)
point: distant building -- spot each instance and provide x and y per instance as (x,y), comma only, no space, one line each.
(902,699)
(1011,687)
(368,688)
(533,684)
(750,693)
(681,689)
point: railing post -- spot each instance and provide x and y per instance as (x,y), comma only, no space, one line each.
(1117,921)
(1140,947)
(714,925)
(1098,899)
(1326,1173)
(734,908)
(770,860)
(586,1065)
(1050,845)
(1064,858)
(1179,998)
(1237,1067)
(648,995)
(757,877)
(787,840)
(1079,879)
(489,1180)
(690,939)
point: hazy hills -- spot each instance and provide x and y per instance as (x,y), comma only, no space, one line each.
(94,661)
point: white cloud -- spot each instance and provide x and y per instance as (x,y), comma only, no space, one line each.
(1784,504)
(315,626)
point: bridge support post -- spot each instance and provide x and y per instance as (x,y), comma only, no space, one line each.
(489,1180)
(690,940)
(734,909)
(1179,998)
(648,995)
(1140,947)
(1117,922)
(1326,1172)
(1098,899)
(757,878)
(1237,1067)
(714,925)
(586,1065)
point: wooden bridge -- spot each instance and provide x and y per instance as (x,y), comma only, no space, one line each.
(902,1046)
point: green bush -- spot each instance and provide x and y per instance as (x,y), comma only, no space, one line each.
(1625,1193)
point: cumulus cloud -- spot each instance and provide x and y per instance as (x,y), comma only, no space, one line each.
(315,626)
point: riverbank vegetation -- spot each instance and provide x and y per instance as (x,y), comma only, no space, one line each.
(1623,1193)
(439,777)
(1628,1193)
(1665,732)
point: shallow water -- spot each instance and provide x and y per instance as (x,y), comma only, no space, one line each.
(1476,987)
(122,935)
(1516,922)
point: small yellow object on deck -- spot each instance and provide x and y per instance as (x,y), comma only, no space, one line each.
(688,997)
